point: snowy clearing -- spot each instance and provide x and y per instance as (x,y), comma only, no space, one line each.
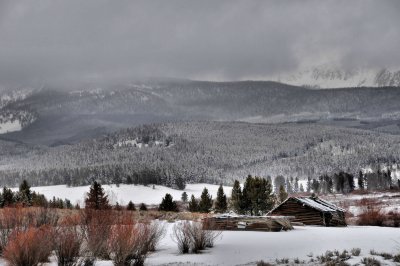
(125,193)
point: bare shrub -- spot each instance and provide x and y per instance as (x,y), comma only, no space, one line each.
(192,236)
(371,261)
(68,240)
(356,251)
(385,255)
(129,243)
(181,235)
(8,221)
(44,216)
(96,228)
(371,216)
(202,238)
(122,243)
(395,217)
(157,232)
(29,247)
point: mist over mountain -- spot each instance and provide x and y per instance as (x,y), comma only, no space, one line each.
(330,76)
(55,116)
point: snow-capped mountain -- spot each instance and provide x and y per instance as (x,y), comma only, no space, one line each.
(336,77)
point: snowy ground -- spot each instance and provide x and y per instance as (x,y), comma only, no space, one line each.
(125,193)
(236,248)
(246,248)
(9,126)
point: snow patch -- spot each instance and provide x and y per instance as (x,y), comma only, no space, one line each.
(10,126)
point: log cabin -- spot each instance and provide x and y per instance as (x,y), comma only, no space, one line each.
(311,211)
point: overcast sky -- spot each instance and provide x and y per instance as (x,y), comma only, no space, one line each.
(98,40)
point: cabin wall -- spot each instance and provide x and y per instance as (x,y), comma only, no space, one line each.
(308,215)
(302,213)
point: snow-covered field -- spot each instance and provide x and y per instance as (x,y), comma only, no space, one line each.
(125,193)
(246,248)
(242,247)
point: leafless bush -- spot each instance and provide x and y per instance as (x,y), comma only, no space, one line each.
(356,251)
(370,261)
(68,240)
(372,216)
(96,227)
(45,216)
(29,247)
(192,236)
(157,232)
(181,235)
(129,243)
(8,221)
(121,243)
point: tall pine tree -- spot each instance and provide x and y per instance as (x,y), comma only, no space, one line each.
(193,204)
(206,201)
(236,198)
(96,198)
(221,204)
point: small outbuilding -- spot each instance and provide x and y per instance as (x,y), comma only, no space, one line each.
(311,211)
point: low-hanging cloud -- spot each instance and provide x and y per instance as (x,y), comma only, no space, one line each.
(98,40)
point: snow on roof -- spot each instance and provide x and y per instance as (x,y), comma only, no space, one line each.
(319,204)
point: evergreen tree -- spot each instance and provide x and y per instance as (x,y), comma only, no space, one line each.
(257,197)
(96,198)
(129,180)
(330,185)
(68,204)
(301,188)
(221,204)
(180,183)
(236,198)
(282,194)
(360,180)
(350,182)
(8,197)
(143,207)
(193,204)
(131,206)
(184,197)
(315,186)
(25,194)
(206,201)
(168,204)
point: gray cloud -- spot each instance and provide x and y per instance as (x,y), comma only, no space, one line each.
(99,40)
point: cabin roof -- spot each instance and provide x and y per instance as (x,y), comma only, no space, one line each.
(315,203)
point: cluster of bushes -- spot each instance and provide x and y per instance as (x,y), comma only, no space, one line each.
(192,237)
(372,215)
(28,236)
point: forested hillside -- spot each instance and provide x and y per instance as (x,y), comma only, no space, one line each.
(213,152)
